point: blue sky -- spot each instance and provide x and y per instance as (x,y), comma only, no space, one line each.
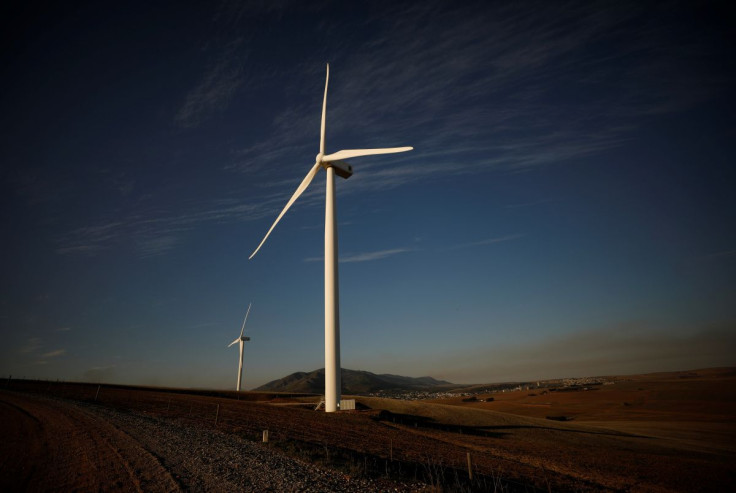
(567,210)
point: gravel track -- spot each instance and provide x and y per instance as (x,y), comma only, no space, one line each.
(57,445)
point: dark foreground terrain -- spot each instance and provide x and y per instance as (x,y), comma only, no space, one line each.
(649,435)
(58,445)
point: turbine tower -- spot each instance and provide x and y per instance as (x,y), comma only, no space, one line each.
(242,341)
(333,164)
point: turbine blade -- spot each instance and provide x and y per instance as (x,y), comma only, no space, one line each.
(246,318)
(349,153)
(303,186)
(324,112)
(236,340)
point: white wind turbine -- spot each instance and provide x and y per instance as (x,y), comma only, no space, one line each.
(242,339)
(333,165)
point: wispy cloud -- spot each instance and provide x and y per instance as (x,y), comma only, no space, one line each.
(89,239)
(474,88)
(151,247)
(100,374)
(215,90)
(370,256)
(487,241)
(52,354)
(363,257)
(496,86)
(155,232)
(31,346)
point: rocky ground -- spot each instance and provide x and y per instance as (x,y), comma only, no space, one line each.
(664,435)
(56,445)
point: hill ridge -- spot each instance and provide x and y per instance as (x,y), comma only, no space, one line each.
(353,382)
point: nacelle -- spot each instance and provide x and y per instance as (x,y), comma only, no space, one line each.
(342,169)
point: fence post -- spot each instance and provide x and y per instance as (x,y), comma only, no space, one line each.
(217,415)
(391,449)
(98,392)
(470,468)
(265,436)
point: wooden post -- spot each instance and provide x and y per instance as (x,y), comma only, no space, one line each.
(98,392)
(168,406)
(470,468)
(265,436)
(217,414)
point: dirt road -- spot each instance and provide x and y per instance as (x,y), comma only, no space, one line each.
(56,445)
(53,445)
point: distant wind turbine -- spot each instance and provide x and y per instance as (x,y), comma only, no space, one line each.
(242,340)
(333,165)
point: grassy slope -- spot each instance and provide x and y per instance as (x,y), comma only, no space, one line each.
(690,410)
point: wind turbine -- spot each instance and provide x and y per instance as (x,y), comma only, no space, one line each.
(242,341)
(333,164)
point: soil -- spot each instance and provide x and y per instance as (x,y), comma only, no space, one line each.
(51,444)
(54,445)
(657,433)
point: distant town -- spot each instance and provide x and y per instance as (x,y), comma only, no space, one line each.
(558,385)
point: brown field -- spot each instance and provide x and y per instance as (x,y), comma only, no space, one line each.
(657,432)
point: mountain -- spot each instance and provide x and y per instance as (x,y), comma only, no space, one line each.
(353,382)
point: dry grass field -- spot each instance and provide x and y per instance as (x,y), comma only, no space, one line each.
(674,431)
(695,408)
(658,432)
